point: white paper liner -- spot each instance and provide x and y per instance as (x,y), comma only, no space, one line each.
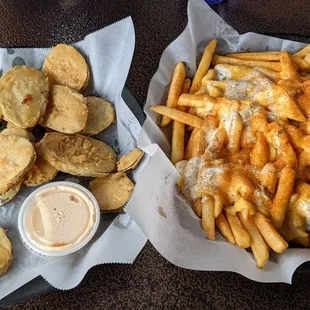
(156,206)
(118,240)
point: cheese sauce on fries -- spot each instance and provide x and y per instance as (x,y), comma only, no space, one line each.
(248,175)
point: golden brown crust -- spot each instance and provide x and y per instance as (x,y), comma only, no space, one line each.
(23,96)
(20,132)
(40,172)
(101,114)
(130,161)
(77,154)
(66,112)
(64,65)
(10,193)
(16,157)
(112,191)
(5,252)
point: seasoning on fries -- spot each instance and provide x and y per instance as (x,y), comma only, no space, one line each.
(245,165)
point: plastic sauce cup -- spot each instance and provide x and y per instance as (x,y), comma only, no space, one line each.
(58,219)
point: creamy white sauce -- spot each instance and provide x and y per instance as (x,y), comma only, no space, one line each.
(60,218)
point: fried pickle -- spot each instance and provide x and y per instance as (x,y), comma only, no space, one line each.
(23,96)
(112,191)
(16,157)
(20,132)
(130,161)
(66,112)
(64,65)
(77,154)
(10,193)
(6,256)
(40,172)
(101,114)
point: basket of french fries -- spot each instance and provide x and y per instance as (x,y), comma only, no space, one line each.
(237,132)
(244,166)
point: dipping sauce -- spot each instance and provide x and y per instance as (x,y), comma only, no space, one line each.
(58,218)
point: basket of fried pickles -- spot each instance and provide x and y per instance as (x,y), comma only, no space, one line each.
(48,121)
(241,144)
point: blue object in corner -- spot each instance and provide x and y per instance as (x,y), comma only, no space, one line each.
(213,2)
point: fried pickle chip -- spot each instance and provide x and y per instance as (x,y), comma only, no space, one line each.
(16,157)
(6,256)
(40,172)
(130,161)
(112,191)
(101,114)
(20,132)
(10,193)
(66,111)
(77,154)
(64,65)
(23,96)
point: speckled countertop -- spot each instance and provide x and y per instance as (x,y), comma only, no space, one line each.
(152,282)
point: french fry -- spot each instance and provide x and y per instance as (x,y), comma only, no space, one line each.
(186,86)
(192,109)
(302,64)
(215,88)
(303,99)
(303,52)
(275,66)
(305,143)
(288,69)
(197,101)
(202,91)
(235,132)
(179,116)
(200,100)
(177,143)
(189,150)
(211,75)
(286,155)
(267,56)
(198,144)
(178,131)
(258,122)
(218,142)
(260,153)
(305,127)
(203,66)
(174,90)
(218,205)
(224,229)
(229,72)
(220,84)
(263,56)
(279,204)
(271,236)
(295,135)
(269,177)
(243,204)
(197,207)
(215,92)
(272,152)
(208,218)
(258,245)
(241,236)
